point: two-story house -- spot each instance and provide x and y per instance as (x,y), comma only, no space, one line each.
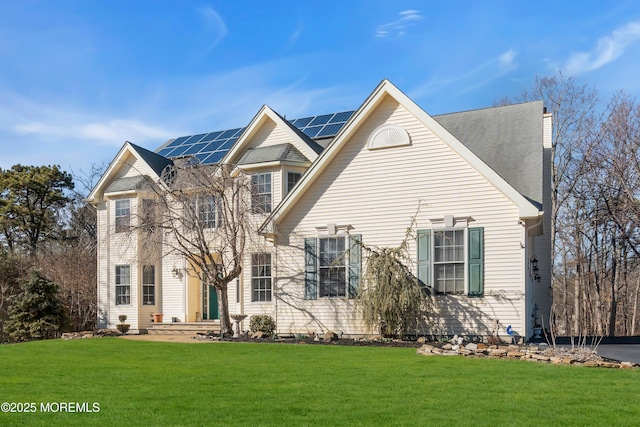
(475,184)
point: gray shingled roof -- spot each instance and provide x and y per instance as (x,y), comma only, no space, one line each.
(155,161)
(126,184)
(272,153)
(508,139)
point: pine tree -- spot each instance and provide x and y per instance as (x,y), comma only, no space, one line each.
(36,312)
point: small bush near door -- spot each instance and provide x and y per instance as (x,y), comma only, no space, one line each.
(262,323)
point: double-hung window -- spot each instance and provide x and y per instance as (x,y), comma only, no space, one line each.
(206,208)
(261,277)
(149,285)
(451,261)
(123,215)
(123,284)
(332,266)
(261,193)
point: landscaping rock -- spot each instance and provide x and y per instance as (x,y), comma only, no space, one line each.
(471,346)
(329,336)
(447,347)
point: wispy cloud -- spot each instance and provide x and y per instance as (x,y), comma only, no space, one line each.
(608,49)
(112,132)
(24,117)
(476,77)
(407,18)
(215,27)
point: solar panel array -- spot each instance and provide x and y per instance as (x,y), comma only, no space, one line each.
(211,147)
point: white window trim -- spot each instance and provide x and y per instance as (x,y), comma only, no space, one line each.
(254,209)
(116,216)
(465,231)
(271,258)
(121,285)
(155,287)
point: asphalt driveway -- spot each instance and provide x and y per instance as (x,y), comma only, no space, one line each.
(621,352)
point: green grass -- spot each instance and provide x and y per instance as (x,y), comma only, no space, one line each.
(152,383)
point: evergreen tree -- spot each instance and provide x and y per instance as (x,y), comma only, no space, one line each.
(36,312)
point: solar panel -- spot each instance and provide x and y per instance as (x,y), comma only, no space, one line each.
(195,138)
(195,148)
(178,141)
(300,123)
(178,151)
(312,131)
(321,120)
(329,130)
(211,136)
(341,117)
(211,147)
(214,157)
(165,151)
(228,133)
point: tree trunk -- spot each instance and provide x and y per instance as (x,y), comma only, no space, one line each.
(635,308)
(223,304)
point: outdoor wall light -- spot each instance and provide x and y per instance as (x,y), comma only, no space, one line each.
(177,273)
(534,269)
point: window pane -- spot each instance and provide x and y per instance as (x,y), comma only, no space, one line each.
(123,215)
(332,268)
(292,180)
(261,197)
(261,277)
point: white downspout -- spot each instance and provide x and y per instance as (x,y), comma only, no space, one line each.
(529,291)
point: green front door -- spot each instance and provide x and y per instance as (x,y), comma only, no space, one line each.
(209,303)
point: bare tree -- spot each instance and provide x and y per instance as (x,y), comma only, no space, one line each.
(201,213)
(572,105)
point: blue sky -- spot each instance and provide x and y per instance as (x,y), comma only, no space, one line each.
(78,78)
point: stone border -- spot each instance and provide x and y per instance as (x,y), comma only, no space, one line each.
(531,353)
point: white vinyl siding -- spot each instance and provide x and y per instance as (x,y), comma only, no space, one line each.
(269,134)
(426,173)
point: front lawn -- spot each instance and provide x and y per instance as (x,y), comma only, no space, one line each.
(153,383)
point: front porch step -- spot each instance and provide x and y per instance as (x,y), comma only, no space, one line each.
(186,328)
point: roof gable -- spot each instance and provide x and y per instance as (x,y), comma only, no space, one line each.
(508,139)
(386,88)
(303,144)
(155,162)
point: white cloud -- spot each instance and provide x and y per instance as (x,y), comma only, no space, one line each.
(608,49)
(506,60)
(398,27)
(215,29)
(476,77)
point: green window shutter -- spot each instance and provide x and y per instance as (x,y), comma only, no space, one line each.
(355,263)
(311,268)
(424,257)
(476,262)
